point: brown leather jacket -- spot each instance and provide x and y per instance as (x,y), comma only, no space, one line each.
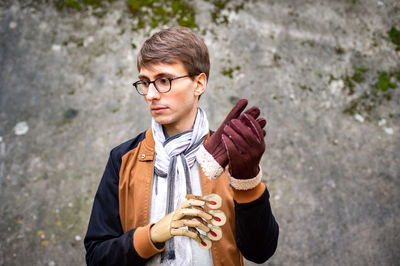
(135,185)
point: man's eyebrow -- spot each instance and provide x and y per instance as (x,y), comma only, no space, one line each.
(142,77)
(163,74)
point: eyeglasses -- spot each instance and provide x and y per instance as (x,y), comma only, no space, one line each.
(162,85)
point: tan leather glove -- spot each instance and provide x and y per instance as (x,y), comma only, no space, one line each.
(213,202)
(171,224)
(197,213)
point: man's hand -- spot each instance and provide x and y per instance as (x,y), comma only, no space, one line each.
(244,143)
(191,214)
(169,226)
(212,156)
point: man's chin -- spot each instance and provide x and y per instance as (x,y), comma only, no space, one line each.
(162,120)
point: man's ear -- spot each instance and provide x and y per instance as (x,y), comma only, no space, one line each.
(201,84)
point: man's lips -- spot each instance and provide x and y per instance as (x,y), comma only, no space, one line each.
(158,109)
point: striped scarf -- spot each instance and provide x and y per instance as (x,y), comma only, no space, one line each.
(174,157)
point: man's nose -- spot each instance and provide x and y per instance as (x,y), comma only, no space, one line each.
(152,93)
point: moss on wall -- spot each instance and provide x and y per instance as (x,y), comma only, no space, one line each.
(377,93)
(394,35)
(161,12)
(77,4)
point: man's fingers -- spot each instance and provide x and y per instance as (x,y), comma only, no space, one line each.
(236,110)
(219,217)
(236,137)
(202,240)
(190,223)
(254,126)
(254,111)
(234,113)
(195,213)
(248,134)
(245,119)
(192,202)
(215,232)
(184,232)
(231,149)
(213,201)
(262,122)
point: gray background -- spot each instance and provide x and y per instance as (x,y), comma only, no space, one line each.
(316,69)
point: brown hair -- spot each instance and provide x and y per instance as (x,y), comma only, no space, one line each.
(173,45)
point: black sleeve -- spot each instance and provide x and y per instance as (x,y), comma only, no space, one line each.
(256,229)
(105,241)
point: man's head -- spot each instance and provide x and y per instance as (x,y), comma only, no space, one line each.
(173,68)
(176,44)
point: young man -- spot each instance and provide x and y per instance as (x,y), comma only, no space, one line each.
(140,214)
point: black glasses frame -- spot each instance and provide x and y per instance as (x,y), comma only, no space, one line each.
(135,84)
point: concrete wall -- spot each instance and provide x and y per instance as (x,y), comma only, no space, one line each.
(326,75)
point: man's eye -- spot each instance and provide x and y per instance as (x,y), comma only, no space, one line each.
(145,83)
(163,81)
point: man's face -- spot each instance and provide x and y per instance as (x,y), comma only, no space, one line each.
(175,110)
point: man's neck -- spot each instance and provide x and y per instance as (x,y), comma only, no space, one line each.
(174,129)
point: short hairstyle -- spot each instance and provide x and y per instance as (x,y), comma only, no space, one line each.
(176,44)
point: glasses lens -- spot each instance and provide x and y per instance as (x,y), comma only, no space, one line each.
(142,87)
(163,84)
(139,87)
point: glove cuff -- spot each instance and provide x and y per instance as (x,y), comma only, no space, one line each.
(209,165)
(245,184)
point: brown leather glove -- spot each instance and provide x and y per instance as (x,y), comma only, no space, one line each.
(244,143)
(212,156)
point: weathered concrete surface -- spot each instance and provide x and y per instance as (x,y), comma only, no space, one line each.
(334,180)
